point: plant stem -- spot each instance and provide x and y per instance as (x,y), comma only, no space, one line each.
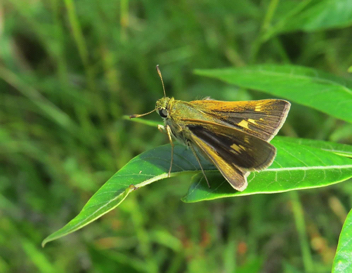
(301,229)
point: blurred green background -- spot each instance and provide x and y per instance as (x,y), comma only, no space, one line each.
(69,71)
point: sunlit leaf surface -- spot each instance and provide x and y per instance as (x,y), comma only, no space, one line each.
(295,167)
(336,148)
(343,261)
(326,93)
(314,15)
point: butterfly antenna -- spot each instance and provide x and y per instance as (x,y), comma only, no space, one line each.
(161,78)
(141,115)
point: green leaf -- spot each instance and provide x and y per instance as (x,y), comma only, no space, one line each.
(342,132)
(295,167)
(144,121)
(96,207)
(336,148)
(343,262)
(314,15)
(142,170)
(310,87)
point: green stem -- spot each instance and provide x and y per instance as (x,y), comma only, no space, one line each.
(143,237)
(289,16)
(269,14)
(301,229)
(80,42)
(265,26)
(124,19)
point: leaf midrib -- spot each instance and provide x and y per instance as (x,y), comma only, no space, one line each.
(309,168)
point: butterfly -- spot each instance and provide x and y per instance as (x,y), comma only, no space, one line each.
(234,136)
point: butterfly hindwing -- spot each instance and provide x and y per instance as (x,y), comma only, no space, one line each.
(236,177)
(241,149)
(233,152)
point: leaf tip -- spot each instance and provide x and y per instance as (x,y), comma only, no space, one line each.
(44,242)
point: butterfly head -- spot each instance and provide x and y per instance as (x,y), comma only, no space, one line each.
(162,107)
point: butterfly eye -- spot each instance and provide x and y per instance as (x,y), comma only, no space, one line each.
(163,113)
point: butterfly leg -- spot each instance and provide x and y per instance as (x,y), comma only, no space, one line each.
(161,128)
(168,131)
(196,156)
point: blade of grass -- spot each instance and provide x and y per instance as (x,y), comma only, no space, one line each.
(302,234)
(46,106)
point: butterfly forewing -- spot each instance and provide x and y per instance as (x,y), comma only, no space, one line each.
(261,118)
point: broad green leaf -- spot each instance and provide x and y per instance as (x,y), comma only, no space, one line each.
(142,170)
(343,262)
(336,148)
(295,167)
(313,15)
(310,87)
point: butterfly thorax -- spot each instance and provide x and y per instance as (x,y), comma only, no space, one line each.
(173,112)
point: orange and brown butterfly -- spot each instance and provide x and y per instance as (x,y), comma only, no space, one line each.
(234,136)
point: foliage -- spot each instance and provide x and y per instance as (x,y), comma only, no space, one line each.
(70,70)
(342,261)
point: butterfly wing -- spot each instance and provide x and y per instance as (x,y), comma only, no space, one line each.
(261,118)
(232,151)
(233,135)
(236,177)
